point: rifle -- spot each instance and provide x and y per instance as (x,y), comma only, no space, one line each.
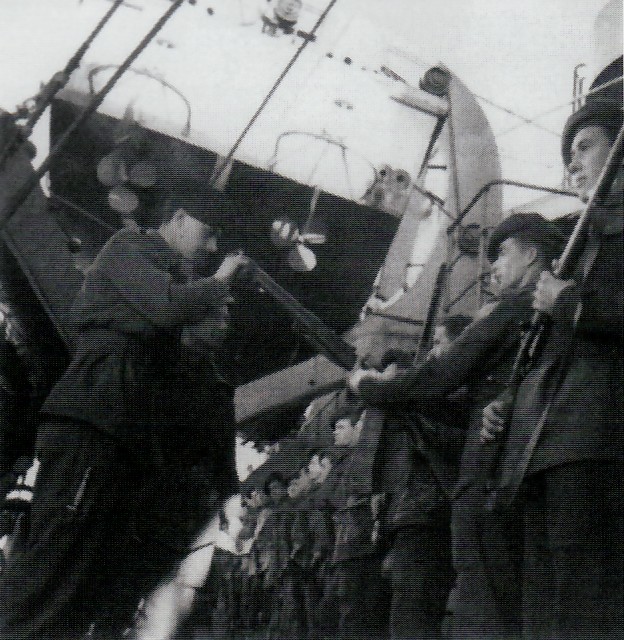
(533,339)
(318,333)
(424,343)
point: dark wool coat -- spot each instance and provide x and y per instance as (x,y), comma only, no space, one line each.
(136,454)
(128,362)
(582,367)
(480,357)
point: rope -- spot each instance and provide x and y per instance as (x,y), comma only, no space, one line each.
(532,163)
(269,95)
(517,115)
(75,60)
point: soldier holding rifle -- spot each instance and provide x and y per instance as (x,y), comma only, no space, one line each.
(481,357)
(107,438)
(562,460)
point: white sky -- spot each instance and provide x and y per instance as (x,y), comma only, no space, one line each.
(519,55)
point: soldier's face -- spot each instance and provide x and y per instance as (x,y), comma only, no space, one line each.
(514,259)
(193,237)
(288,9)
(294,488)
(441,342)
(299,484)
(343,432)
(276,490)
(589,152)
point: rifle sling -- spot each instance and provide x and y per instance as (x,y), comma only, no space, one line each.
(438,468)
(509,485)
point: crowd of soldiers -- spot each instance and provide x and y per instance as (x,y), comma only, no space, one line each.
(421,520)
(313,556)
(427,501)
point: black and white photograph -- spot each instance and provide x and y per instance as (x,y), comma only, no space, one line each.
(311,320)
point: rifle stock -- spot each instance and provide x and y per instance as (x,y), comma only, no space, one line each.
(319,334)
(529,349)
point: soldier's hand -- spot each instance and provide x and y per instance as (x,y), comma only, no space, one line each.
(495,417)
(357,375)
(547,290)
(230,265)
(389,372)
(378,502)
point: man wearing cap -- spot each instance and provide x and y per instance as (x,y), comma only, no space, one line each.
(105,436)
(481,357)
(563,455)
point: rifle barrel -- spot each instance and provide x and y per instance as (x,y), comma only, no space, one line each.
(324,338)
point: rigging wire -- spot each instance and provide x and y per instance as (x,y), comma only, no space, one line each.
(560,106)
(533,163)
(517,115)
(215,177)
(16,200)
(42,100)
(20,196)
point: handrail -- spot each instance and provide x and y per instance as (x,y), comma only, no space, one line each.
(434,303)
(511,183)
(186,129)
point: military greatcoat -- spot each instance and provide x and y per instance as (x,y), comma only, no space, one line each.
(104,445)
(486,556)
(572,489)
